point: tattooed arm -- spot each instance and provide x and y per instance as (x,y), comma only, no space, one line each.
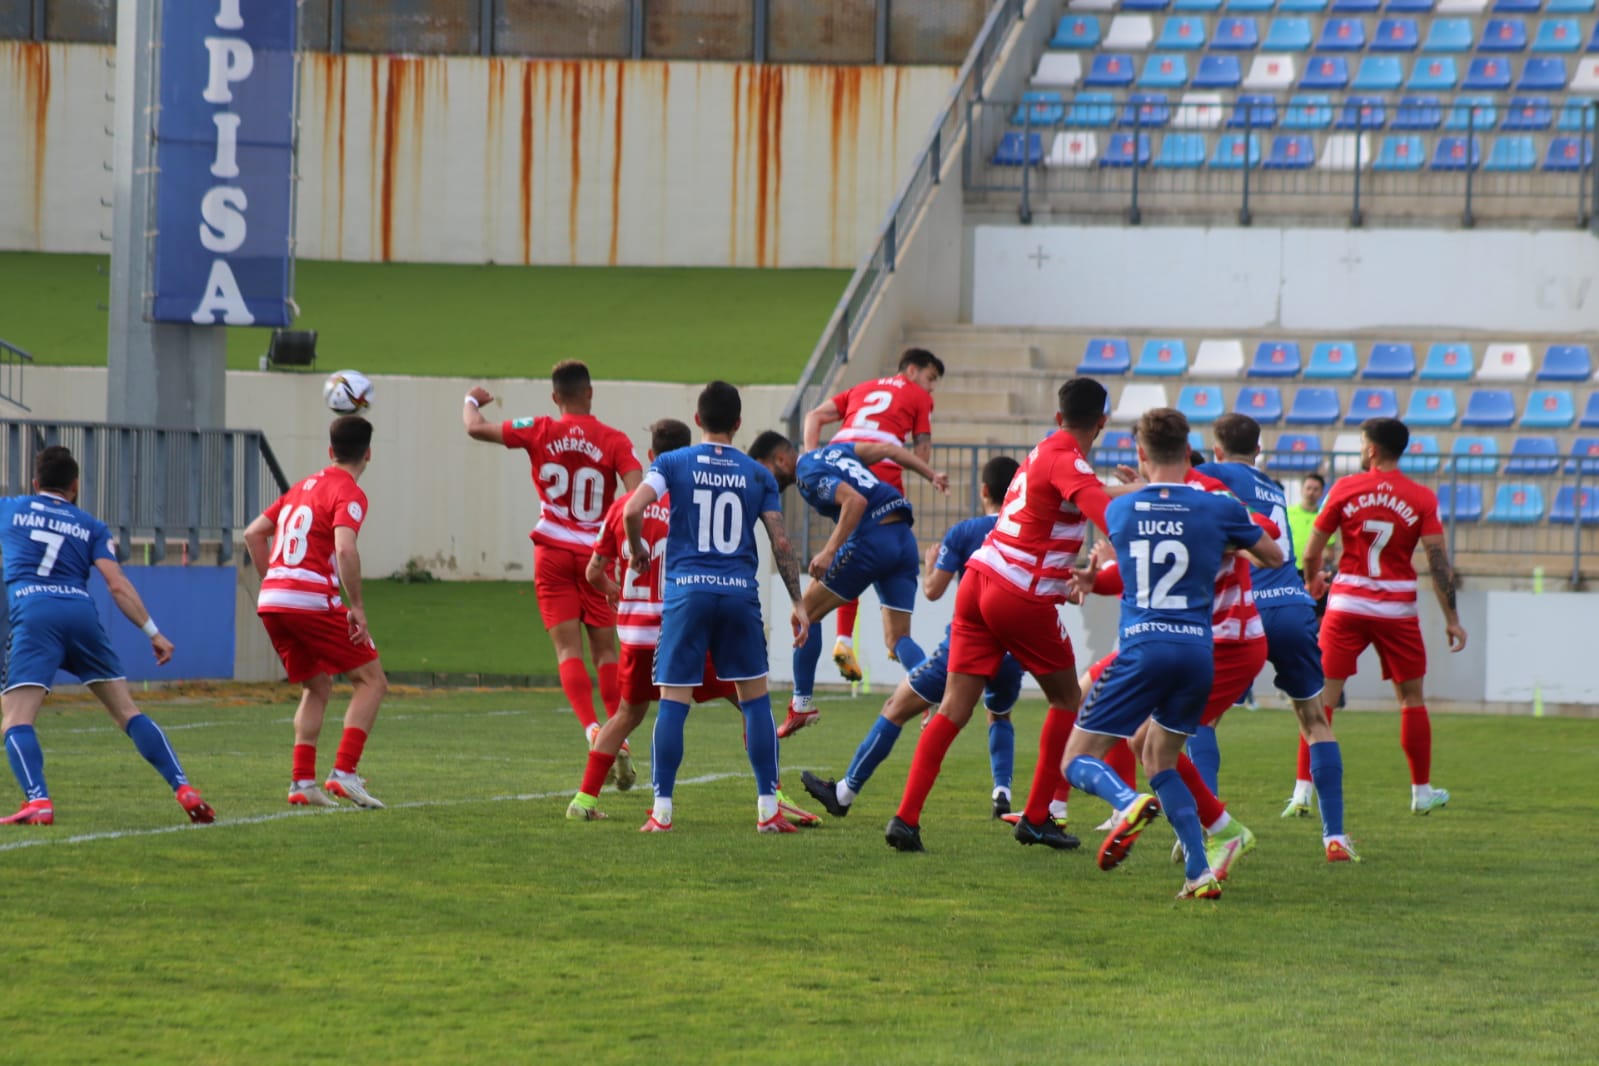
(788,566)
(1443,583)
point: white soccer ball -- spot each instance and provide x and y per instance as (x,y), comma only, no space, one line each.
(347,392)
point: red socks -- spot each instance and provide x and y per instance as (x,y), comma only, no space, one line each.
(1302,772)
(350,747)
(1047,777)
(929,759)
(1210,808)
(1121,759)
(610,687)
(594,775)
(1415,736)
(305,762)
(846,618)
(579,690)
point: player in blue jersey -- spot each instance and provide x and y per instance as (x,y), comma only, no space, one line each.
(923,687)
(871,546)
(50,548)
(1171,538)
(712,601)
(1288,614)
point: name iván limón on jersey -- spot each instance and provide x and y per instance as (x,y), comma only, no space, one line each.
(54,525)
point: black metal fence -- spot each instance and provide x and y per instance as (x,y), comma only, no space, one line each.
(13,361)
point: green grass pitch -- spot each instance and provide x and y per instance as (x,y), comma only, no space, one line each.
(471,922)
(478,321)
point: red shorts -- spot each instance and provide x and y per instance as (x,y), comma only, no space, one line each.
(564,593)
(1399,645)
(637,667)
(1237,666)
(316,642)
(992,618)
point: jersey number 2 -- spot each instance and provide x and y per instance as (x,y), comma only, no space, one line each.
(876,403)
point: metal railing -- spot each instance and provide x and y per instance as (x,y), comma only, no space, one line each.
(12,362)
(834,349)
(150,485)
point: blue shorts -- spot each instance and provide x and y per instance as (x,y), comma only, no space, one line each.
(881,557)
(1001,694)
(1167,680)
(727,625)
(56,634)
(1292,648)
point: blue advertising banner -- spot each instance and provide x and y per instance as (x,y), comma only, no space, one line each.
(225,157)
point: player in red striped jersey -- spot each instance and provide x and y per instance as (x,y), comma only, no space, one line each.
(304,548)
(893,410)
(1382,515)
(576,460)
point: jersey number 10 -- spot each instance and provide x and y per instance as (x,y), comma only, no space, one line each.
(721,517)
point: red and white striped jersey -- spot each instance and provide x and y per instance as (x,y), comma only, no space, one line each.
(1043,521)
(1382,516)
(885,411)
(302,571)
(576,461)
(1235,620)
(638,613)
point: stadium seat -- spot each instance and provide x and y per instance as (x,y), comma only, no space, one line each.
(1462,7)
(1346,454)
(1533,455)
(1275,359)
(1528,113)
(1567,154)
(1165,70)
(1346,151)
(1129,33)
(1146,111)
(1469,113)
(1291,151)
(1570,7)
(1272,72)
(1181,33)
(1490,73)
(1431,407)
(1585,453)
(1325,72)
(1243,7)
(1450,153)
(1448,361)
(1288,33)
(1566,362)
(1417,113)
(1557,35)
(1144,5)
(1503,35)
(1586,78)
(1181,151)
(1341,35)
(1421,455)
(1198,111)
(1136,399)
(1543,73)
(1434,73)
(1512,154)
(1091,110)
(1116,448)
(1400,151)
(1105,355)
(1590,412)
(1506,362)
(1230,152)
(1119,150)
(1378,73)
(1218,72)
(1332,359)
(1010,150)
(1040,107)
(1308,111)
(1196,5)
(1549,409)
(1073,148)
(1201,403)
(1363,113)
(1410,7)
(1489,408)
(1058,70)
(1476,455)
(1236,34)
(1564,512)
(1448,35)
(1356,7)
(1302,7)
(1396,35)
(1314,406)
(1162,357)
(1391,361)
(1110,71)
(1371,403)
(1460,502)
(1517,503)
(1076,31)
(1218,359)
(1253,111)
(1263,403)
(1295,452)
(1516,7)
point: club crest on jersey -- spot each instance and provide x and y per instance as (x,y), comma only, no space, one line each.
(521,423)
(1084,467)
(355,510)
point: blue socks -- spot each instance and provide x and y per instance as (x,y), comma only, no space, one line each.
(805,660)
(873,750)
(27,761)
(1327,773)
(666,748)
(909,653)
(1206,754)
(1002,751)
(1093,775)
(1177,804)
(760,737)
(152,744)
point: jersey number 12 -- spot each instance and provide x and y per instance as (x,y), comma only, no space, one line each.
(1160,599)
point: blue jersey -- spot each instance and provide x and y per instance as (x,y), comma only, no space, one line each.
(717,495)
(50,548)
(961,541)
(1170,540)
(1281,584)
(819,474)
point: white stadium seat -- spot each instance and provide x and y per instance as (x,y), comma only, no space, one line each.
(1218,359)
(1338,152)
(1271,73)
(1346,452)
(1129,33)
(1073,148)
(1506,362)
(1058,70)
(1198,111)
(1136,399)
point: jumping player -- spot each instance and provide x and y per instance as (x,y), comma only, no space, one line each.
(892,410)
(50,548)
(1382,515)
(576,461)
(304,548)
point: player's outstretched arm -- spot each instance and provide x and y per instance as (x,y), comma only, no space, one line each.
(1266,553)
(1315,579)
(1443,583)
(824,415)
(788,566)
(871,453)
(258,542)
(128,601)
(349,563)
(478,427)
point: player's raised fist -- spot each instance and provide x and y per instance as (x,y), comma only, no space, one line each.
(483,396)
(941,481)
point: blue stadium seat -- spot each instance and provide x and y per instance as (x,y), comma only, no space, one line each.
(1325,72)
(1342,35)
(1181,151)
(1431,407)
(1533,455)
(1557,35)
(1593,39)
(1549,409)
(1181,33)
(1434,73)
(1162,357)
(1249,6)
(1568,153)
(1585,452)
(1363,113)
(1289,33)
(1356,7)
(1009,152)
(1302,7)
(1489,408)
(1396,35)
(1503,35)
(1091,110)
(1451,153)
(1570,7)
(1291,151)
(1119,150)
(1421,455)
(1263,403)
(1448,361)
(1418,113)
(1476,455)
(1164,70)
(1275,359)
(1378,73)
(1235,151)
(1590,412)
(1564,512)
(1110,70)
(1314,406)
(1460,502)
(1516,7)
(1106,355)
(1295,451)
(1472,113)
(1308,111)
(1518,504)
(1253,111)
(1218,72)
(1146,111)
(1410,7)
(1512,154)
(1566,362)
(1576,114)
(1371,403)
(1400,152)
(1144,5)
(1543,73)
(1391,361)
(1236,34)
(1201,403)
(1448,35)
(1332,359)
(1116,448)
(1487,72)
(1041,107)
(1076,31)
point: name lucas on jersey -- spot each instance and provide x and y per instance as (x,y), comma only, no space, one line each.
(1384,501)
(1159,528)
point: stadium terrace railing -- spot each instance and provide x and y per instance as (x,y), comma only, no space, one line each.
(151,485)
(12,362)
(1074,153)
(833,351)
(1501,519)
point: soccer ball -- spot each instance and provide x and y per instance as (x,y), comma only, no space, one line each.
(347,392)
